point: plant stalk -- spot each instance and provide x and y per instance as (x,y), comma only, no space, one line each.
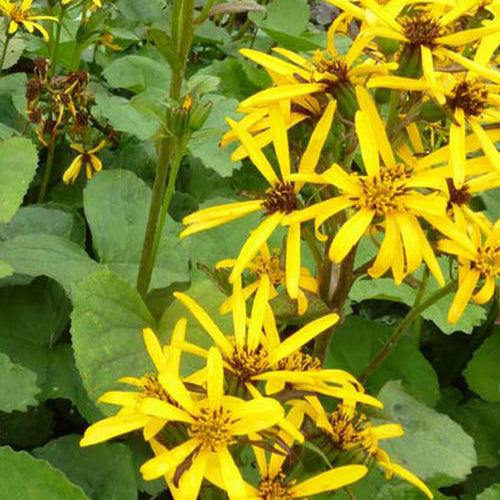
(407,321)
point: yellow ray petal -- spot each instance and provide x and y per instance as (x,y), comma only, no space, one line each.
(256,415)
(233,481)
(411,241)
(304,335)
(292,268)
(329,480)
(206,322)
(487,144)
(154,349)
(215,378)
(258,312)
(386,252)
(112,427)
(461,299)
(486,291)
(349,234)
(407,476)
(280,138)
(283,92)
(367,144)
(162,409)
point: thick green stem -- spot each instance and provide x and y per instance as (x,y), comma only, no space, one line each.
(154,213)
(54,47)
(174,170)
(182,37)
(4,51)
(407,321)
(47,171)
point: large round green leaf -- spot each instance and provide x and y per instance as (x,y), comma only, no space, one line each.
(107,321)
(26,477)
(104,471)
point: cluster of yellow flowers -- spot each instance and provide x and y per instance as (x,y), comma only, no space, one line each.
(411,195)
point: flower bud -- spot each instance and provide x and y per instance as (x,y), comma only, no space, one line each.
(199,114)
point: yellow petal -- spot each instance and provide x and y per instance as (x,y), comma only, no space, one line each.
(112,427)
(487,144)
(280,138)
(461,299)
(329,480)
(254,152)
(411,241)
(292,268)
(407,476)
(304,335)
(258,311)
(367,144)
(206,322)
(154,349)
(486,292)
(162,409)
(215,378)
(223,211)
(235,486)
(369,109)
(349,234)
(386,252)
(283,92)
(257,415)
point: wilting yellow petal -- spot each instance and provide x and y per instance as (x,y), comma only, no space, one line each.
(329,480)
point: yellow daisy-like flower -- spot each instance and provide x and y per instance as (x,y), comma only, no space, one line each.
(348,430)
(22,15)
(426,31)
(279,201)
(385,197)
(131,417)
(478,262)
(213,423)
(255,351)
(299,79)
(270,264)
(85,158)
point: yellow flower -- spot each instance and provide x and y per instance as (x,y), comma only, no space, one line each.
(279,201)
(350,431)
(426,32)
(131,417)
(386,196)
(256,352)
(213,423)
(269,264)
(85,158)
(478,261)
(22,15)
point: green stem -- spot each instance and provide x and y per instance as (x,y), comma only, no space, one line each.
(182,37)
(47,171)
(407,321)
(55,43)
(4,51)
(174,170)
(204,11)
(144,275)
(393,112)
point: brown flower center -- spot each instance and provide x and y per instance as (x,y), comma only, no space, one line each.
(275,488)
(457,196)
(422,30)
(471,96)
(299,362)
(248,363)
(280,198)
(382,195)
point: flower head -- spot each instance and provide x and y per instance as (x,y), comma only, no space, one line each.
(86,158)
(22,15)
(478,263)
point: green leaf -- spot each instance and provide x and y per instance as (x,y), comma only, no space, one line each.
(210,298)
(205,142)
(107,321)
(385,289)
(123,116)
(5,270)
(481,421)
(163,45)
(14,86)
(14,51)
(20,472)
(26,429)
(18,162)
(491,493)
(103,471)
(64,381)
(137,73)
(146,12)
(357,341)
(434,446)
(37,312)
(18,386)
(238,78)
(52,256)
(43,220)
(280,17)
(491,199)
(118,224)
(483,370)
